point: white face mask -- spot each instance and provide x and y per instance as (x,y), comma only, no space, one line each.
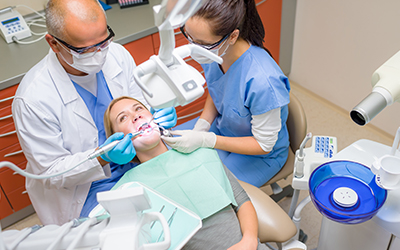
(89,65)
(205,60)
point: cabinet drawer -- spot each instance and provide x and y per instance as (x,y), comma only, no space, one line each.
(5,116)
(5,208)
(8,136)
(141,49)
(7,96)
(13,154)
(11,181)
(19,199)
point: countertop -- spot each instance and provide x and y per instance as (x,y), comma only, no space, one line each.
(128,24)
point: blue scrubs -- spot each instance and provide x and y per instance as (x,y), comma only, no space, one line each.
(253,85)
(97,106)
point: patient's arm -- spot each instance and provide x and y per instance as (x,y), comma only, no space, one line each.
(249,225)
(246,215)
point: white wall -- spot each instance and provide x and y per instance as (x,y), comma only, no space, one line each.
(34,4)
(339,44)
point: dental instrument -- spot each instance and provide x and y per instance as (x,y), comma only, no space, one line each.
(106,148)
(91,156)
(171,218)
(146,125)
(22,235)
(152,224)
(164,131)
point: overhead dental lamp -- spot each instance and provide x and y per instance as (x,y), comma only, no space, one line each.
(386,90)
(166,79)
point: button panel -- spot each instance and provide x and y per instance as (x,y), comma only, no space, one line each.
(324,146)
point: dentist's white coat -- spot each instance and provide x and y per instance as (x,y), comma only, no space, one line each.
(56,132)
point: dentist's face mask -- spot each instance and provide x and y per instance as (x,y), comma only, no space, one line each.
(205,60)
(90,64)
(88,59)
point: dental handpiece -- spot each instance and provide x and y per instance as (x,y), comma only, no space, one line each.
(104,149)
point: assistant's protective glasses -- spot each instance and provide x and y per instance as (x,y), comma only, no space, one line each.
(93,48)
(206,46)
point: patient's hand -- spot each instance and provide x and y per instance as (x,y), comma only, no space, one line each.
(245,243)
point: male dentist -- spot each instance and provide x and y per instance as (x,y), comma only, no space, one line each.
(59,105)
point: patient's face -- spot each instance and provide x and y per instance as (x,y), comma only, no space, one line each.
(127,116)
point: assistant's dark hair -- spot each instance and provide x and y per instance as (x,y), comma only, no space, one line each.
(227,15)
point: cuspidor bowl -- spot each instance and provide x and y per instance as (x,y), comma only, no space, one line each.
(346,192)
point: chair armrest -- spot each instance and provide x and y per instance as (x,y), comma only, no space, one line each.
(274,224)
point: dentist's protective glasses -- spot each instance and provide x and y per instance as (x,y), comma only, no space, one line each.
(206,46)
(89,50)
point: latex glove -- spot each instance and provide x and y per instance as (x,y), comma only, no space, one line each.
(165,117)
(202,125)
(190,140)
(123,152)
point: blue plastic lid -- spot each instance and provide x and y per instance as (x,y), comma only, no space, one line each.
(346,192)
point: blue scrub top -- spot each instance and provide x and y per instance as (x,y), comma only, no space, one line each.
(253,85)
(97,106)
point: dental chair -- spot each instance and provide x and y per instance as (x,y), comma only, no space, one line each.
(274,224)
(297,128)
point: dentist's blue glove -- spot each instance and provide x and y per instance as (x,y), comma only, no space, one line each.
(123,152)
(165,117)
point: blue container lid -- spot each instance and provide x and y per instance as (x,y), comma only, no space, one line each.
(346,192)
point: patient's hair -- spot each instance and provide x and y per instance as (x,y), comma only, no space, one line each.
(107,121)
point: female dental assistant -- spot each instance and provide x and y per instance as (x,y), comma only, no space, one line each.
(248,93)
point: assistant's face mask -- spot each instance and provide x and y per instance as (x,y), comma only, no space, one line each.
(205,60)
(89,65)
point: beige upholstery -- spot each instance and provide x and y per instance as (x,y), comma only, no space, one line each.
(274,225)
(297,127)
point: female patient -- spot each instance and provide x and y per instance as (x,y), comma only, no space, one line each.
(229,227)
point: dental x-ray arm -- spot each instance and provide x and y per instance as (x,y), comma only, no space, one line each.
(166,79)
(386,90)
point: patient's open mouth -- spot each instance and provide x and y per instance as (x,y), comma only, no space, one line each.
(145,127)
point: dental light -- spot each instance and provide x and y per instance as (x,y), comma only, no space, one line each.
(165,79)
(386,90)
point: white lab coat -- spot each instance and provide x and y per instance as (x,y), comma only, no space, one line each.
(56,132)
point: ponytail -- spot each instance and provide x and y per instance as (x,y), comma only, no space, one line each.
(252,28)
(225,16)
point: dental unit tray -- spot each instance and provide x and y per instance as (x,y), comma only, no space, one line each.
(109,232)
(184,225)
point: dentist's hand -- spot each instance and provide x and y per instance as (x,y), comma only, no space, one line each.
(190,140)
(165,117)
(123,152)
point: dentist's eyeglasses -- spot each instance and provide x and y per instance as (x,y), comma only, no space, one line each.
(89,50)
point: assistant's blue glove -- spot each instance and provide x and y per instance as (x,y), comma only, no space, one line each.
(123,152)
(165,117)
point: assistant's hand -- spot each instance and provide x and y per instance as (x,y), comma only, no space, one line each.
(123,152)
(165,117)
(190,140)
(202,125)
